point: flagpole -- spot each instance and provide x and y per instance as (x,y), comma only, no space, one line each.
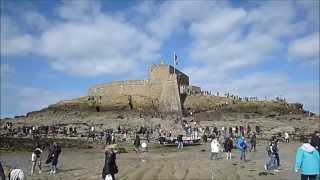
(174,63)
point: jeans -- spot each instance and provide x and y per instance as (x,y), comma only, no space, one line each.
(308,177)
(243,154)
(53,168)
(253,147)
(278,159)
(180,145)
(272,162)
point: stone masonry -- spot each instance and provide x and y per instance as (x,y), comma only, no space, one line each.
(164,89)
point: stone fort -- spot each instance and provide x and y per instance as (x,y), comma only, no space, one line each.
(163,91)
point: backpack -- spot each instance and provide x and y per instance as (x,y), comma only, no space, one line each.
(243,145)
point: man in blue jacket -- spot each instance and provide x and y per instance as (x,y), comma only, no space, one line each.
(307,161)
(242,146)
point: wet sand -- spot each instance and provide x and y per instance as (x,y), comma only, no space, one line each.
(161,163)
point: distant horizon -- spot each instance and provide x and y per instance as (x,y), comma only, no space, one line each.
(57,50)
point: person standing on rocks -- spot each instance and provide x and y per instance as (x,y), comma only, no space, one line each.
(137,143)
(307,161)
(110,167)
(36,159)
(214,148)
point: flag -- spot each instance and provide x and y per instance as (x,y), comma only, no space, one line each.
(175,58)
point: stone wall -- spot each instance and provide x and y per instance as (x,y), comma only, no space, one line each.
(170,96)
(137,87)
(160,92)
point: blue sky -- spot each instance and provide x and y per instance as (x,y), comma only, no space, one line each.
(55,50)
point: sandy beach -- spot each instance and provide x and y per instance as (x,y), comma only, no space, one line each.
(161,163)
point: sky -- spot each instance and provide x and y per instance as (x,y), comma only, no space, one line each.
(56,50)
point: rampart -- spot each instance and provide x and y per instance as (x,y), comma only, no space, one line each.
(132,87)
(161,92)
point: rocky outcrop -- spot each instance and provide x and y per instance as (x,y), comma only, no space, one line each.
(215,104)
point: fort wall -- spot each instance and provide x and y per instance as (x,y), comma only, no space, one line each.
(161,91)
(136,87)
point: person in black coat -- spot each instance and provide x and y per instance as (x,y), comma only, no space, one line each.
(53,157)
(228,145)
(253,142)
(110,167)
(137,143)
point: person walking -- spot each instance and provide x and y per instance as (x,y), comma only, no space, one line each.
(286,137)
(214,148)
(36,159)
(307,161)
(271,163)
(110,167)
(228,145)
(54,153)
(137,143)
(276,149)
(253,141)
(180,142)
(242,146)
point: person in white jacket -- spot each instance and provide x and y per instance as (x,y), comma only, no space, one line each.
(36,159)
(214,148)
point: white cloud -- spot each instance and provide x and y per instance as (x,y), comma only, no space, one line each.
(233,38)
(174,16)
(305,49)
(13,41)
(86,43)
(104,46)
(36,21)
(79,10)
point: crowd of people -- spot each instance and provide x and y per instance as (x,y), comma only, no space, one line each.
(222,139)
(9,129)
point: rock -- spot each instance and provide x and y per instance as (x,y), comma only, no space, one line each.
(282,129)
(265,173)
